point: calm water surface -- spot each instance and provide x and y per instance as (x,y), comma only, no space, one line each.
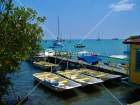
(88,95)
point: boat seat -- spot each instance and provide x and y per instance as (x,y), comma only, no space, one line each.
(47,64)
(101,75)
(82,79)
(82,70)
(93,72)
(63,81)
(53,78)
(42,75)
(74,75)
(66,72)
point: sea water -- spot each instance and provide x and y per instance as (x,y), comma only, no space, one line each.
(89,95)
(104,47)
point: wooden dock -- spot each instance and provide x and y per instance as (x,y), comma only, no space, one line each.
(103,68)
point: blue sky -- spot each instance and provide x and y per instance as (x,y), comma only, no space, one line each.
(85,18)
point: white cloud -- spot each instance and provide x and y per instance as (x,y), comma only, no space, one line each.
(122,6)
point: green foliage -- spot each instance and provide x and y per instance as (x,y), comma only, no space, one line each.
(20,37)
(133,37)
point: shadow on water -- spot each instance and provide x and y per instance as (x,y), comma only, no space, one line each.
(89,89)
(56,98)
(62,95)
(133,96)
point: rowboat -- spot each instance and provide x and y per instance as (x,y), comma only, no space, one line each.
(98,74)
(43,64)
(55,82)
(80,78)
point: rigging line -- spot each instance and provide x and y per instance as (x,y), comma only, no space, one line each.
(30,92)
(58,64)
(107,90)
(101,21)
(39,22)
(111,94)
(34,87)
(49,32)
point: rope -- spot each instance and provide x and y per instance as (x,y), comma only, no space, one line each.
(29,93)
(104,87)
(111,94)
(34,88)
(58,64)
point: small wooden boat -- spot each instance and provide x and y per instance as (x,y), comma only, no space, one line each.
(102,75)
(44,65)
(55,82)
(80,78)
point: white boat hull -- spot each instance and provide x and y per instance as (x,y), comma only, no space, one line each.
(47,81)
(102,75)
(80,78)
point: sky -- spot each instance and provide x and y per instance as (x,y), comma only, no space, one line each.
(86,19)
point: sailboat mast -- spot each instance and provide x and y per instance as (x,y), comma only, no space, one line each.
(70,36)
(58,26)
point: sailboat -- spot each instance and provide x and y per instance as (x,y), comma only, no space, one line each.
(98,39)
(57,42)
(70,38)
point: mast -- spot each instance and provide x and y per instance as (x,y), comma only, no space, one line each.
(98,39)
(98,35)
(58,26)
(70,36)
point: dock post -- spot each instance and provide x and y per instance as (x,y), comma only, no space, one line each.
(62,55)
(18,98)
(98,63)
(55,56)
(112,65)
(127,69)
(67,61)
(77,58)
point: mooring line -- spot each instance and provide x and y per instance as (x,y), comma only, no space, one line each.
(100,22)
(111,94)
(58,64)
(104,87)
(29,93)
(39,22)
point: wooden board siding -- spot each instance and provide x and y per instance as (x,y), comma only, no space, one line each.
(134,75)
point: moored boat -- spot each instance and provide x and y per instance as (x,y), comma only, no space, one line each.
(84,53)
(43,64)
(79,46)
(98,74)
(57,42)
(49,52)
(55,82)
(80,78)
